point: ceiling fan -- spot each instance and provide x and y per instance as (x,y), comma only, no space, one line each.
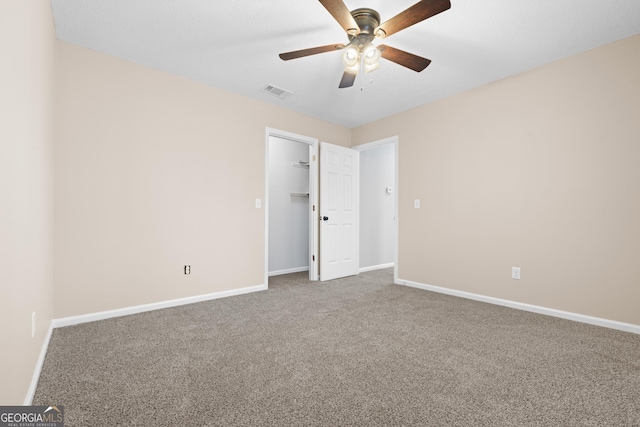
(362,27)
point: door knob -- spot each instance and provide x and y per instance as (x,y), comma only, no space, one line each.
(324,218)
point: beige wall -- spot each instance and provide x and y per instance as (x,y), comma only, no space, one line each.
(153,172)
(26,189)
(540,171)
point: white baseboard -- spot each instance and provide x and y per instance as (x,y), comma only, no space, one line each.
(288,271)
(91,317)
(597,321)
(376,267)
(36,373)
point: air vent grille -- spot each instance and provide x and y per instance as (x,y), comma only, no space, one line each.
(277,91)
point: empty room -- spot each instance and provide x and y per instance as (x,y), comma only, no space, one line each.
(211,215)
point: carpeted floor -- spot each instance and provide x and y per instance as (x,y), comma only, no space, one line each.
(358,351)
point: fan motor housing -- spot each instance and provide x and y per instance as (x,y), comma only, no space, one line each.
(367,19)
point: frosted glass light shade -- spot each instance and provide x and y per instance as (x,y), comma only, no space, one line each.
(351,56)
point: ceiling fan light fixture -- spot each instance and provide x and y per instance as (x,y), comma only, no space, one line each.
(351,56)
(355,69)
(371,54)
(371,67)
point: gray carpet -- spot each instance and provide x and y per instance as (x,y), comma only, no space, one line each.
(351,352)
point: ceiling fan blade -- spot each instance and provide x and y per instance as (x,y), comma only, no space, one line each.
(347,80)
(341,13)
(418,12)
(311,51)
(406,59)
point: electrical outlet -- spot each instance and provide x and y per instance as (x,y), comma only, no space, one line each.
(416,203)
(258,203)
(33,324)
(187,269)
(515,273)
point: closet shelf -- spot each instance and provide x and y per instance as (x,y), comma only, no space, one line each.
(300,194)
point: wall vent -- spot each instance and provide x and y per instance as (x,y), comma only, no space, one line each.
(277,91)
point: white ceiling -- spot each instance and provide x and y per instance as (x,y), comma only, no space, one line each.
(234,45)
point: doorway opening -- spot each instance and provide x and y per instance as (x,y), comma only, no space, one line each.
(379,205)
(291,241)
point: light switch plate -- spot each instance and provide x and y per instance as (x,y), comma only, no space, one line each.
(258,203)
(416,203)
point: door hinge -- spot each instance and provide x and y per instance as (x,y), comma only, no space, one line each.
(313,257)
(314,208)
(314,157)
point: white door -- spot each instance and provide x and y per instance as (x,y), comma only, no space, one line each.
(339,228)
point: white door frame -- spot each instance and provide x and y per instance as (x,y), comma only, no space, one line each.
(370,146)
(313,198)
